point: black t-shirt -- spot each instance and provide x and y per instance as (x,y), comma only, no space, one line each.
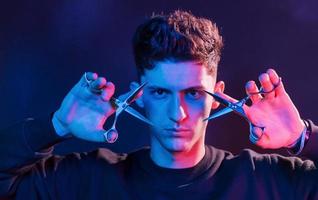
(103,174)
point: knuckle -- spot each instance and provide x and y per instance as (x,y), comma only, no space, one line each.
(102,80)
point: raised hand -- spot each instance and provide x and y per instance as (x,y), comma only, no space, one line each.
(275,111)
(86,107)
(274,119)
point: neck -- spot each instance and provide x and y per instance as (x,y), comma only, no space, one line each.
(177,159)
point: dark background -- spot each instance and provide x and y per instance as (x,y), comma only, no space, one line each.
(45,47)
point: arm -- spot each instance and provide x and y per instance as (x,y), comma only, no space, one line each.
(21,146)
(29,174)
(26,147)
(82,114)
(275,111)
(281,174)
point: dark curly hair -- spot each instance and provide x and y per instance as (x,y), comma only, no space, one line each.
(178,36)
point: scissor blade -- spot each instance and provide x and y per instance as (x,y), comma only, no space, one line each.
(133,95)
(219,113)
(136,114)
(218,98)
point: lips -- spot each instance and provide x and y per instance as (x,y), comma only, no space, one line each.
(177,132)
(177,129)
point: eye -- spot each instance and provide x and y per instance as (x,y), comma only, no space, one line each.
(194,94)
(159,93)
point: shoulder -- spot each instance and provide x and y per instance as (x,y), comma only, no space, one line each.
(102,157)
(273,161)
(251,159)
(108,157)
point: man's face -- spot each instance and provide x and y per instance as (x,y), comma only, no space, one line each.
(174,101)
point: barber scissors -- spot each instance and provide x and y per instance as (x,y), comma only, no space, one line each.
(111,134)
(238,109)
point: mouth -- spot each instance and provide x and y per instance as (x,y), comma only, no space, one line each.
(177,132)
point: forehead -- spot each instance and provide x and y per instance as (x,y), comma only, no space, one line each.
(178,75)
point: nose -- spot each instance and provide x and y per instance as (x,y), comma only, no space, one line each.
(177,110)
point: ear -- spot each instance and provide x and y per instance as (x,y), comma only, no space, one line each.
(139,101)
(219,88)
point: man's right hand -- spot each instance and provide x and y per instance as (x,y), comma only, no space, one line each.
(84,111)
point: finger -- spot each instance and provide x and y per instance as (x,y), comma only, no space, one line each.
(267,86)
(276,81)
(273,76)
(108,91)
(86,78)
(97,85)
(253,91)
(91,76)
(256,134)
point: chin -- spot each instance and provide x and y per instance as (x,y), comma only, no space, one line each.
(177,145)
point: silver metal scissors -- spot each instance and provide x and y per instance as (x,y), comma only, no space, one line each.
(111,135)
(238,109)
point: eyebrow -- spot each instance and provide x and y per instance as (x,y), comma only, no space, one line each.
(195,88)
(199,87)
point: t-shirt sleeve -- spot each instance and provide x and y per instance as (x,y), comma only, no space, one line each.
(26,142)
(29,170)
(280,173)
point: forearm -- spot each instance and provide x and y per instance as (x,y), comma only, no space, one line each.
(41,134)
(26,141)
(22,145)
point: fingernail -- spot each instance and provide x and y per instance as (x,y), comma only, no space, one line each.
(250,84)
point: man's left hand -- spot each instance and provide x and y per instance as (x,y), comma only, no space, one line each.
(274,110)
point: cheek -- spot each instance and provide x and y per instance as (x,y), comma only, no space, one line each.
(199,109)
(198,112)
(154,110)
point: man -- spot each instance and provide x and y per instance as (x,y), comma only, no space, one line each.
(177,56)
